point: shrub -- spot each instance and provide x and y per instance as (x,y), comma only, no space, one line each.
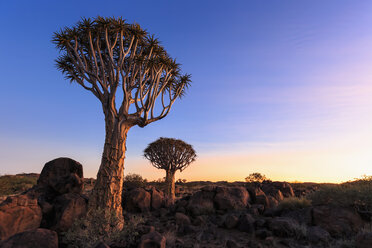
(293,203)
(101,226)
(356,194)
(10,185)
(133,180)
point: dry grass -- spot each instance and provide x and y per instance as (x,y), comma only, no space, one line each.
(356,194)
(15,184)
(293,203)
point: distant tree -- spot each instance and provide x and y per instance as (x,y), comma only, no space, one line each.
(127,70)
(170,155)
(181,181)
(255,177)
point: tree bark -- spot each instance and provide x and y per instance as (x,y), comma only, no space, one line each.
(107,191)
(170,190)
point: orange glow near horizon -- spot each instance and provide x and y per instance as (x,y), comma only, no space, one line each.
(321,165)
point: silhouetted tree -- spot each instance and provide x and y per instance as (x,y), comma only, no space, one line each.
(127,70)
(170,155)
(255,177)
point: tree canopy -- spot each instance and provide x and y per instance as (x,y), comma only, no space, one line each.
(170,154)
(106,54)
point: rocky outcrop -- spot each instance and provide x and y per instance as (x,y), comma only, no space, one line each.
(59,191)
(139,200)
(211,199)
(231,198)
(19,213)
(63,175)
(33,238)
(54,203)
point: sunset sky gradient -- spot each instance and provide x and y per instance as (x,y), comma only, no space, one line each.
(279,87)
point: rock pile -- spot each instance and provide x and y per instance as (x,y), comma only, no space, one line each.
(54,203)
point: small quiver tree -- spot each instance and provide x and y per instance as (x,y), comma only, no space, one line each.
(127,70)
(170,155)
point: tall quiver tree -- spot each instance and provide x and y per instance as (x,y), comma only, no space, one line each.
(170,155)
(127,70)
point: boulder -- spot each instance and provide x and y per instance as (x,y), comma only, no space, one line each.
(182,219)
(246,223)
(273,191)
(272,202)
(231,244)
(201,203)
(277,194)
(67,209)
(254,191)
(152,240)
(102,245)
(302,216)
(157,198)
(317,235)
(263,233)
(17,214)
(231,221)
(363,240)
(339,222)
(63,175)
(137,200)
(33,238)
(231,198)
(285,188)
(262,199)
(283,227)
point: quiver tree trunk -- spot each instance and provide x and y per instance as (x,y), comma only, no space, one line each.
(170,189)
(107,191)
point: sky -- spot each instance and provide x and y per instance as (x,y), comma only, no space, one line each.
(283,88)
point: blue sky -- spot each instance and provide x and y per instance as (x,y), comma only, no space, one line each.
(279,87)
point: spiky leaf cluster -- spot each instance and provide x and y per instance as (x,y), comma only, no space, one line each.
(170,154)
(107,54)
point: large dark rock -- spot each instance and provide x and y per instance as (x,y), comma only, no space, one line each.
(157,198)
(231,198)
(284,227)
(317,235)
(246,223)
(363,240)
(152,240)
(182,219)
(339,222)
(285,188)
(261,198)
(231,221)
(33,238)
(67,209)
(302,216)
(137,200)
(201,203)
(19,213)
(63,175)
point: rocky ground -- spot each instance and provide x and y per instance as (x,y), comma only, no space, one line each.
(267,214)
